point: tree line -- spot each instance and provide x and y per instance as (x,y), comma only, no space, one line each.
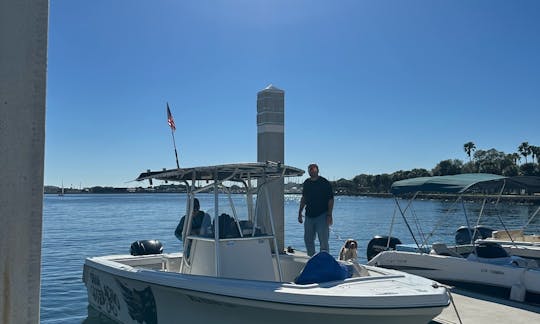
(479,161)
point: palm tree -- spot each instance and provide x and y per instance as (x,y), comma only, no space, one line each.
(469,147)
(525,150)
(515,158)
(535,152)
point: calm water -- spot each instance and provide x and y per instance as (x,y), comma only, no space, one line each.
(80,226)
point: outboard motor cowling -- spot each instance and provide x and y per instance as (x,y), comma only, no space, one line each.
(378,244)
(146,247)
(463,234)
(485,231)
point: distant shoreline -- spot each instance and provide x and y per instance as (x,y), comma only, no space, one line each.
(520,199)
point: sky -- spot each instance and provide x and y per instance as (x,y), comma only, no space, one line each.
(370,86)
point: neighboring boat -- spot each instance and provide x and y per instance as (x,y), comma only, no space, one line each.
(233,275)
(515,241)
(483,265)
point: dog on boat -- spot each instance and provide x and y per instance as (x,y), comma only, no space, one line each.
(349,250)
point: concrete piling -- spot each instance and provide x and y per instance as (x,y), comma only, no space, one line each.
(23,68)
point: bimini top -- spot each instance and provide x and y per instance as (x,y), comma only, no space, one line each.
(225,172)
(460,183)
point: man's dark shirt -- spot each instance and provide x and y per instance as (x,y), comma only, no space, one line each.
(316,196)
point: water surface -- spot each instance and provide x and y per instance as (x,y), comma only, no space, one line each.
(80,226)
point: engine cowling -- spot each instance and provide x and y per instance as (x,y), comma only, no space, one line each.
(145,247)
(463,234)
(379,244)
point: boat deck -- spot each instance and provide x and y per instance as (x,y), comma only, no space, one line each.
(480,309)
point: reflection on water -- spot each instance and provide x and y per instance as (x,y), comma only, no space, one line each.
(80,226)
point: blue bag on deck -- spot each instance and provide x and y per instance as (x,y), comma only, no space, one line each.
(322,267)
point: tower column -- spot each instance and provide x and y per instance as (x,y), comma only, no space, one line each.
(270,147)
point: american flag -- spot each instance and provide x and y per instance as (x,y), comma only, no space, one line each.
(170,119)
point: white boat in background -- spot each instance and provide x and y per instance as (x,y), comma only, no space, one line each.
(516,242)
(481,265)
(233,275)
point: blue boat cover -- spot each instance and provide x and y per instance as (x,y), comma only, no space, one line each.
(322,267)
(459,183)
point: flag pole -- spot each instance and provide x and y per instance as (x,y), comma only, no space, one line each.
(170,121)
(175,152)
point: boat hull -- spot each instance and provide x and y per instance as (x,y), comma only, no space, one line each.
(462,272)
(123,298)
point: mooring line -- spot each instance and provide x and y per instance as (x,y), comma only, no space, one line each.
(448,288)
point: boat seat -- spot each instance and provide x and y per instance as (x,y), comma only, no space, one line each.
(230,230)
(442,249)
(227,227)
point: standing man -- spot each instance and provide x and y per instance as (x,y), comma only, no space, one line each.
(318,198)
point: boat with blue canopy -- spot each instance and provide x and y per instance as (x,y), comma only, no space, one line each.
(476,259)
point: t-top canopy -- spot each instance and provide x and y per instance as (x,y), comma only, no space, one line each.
(225,172)
(460,183)
(529,182)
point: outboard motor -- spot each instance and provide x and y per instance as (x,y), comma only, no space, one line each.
(490,250)
(145,247)
(378,244)
(463,236)
(485,232)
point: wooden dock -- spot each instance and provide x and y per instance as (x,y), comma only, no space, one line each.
(480,309)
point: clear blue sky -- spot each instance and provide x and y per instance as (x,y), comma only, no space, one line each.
(370,86)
